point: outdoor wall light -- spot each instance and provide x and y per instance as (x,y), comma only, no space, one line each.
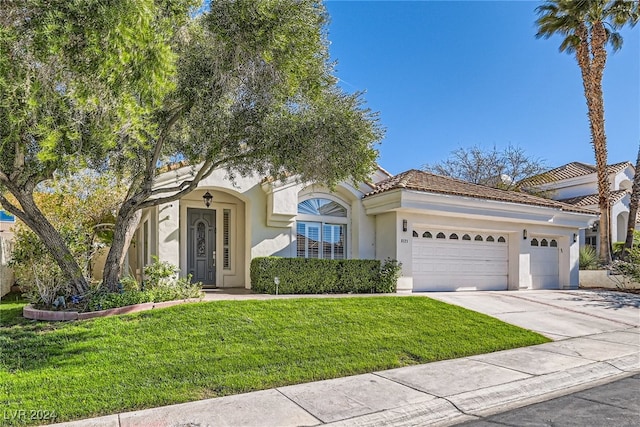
(404,225)
(524,234)
(594,227)
(207,199)
(575,237)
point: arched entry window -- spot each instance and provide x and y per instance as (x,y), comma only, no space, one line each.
(321,229)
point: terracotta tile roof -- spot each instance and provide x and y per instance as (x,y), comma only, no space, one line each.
(617,167)
(430,183)
(592,199)
(172,166)
(568,171)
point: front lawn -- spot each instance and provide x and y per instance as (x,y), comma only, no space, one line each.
(196,351)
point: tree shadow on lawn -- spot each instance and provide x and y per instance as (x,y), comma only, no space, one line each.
(39,345)
(613,300)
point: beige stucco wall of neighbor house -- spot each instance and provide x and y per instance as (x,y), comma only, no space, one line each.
(604,279)
(6,274)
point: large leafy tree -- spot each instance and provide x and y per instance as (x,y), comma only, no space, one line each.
(245,86)
(587,27)
(76,77)
(493,167)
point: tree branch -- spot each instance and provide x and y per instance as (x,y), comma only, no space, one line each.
(13,209)
(153,161)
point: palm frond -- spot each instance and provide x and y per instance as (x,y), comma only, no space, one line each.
(570,44)
(614,39)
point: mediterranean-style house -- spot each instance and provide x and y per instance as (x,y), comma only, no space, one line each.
(577,184)
(448,234)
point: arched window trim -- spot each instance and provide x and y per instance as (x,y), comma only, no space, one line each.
(324,218)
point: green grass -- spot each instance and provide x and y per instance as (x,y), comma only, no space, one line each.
(203,350)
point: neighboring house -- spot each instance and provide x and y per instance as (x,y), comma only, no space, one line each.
(6,241)
(448,234)
(577,184)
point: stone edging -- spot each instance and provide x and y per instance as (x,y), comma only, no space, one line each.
(28,312)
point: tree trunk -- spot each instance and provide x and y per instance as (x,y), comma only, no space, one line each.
(53,241)
(633,206)
(595,105)
(124,229)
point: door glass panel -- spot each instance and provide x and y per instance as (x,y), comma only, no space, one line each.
(201,239)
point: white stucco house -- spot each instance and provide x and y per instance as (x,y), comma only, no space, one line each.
(448,234)
(577,184)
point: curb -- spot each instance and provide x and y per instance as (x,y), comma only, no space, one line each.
(28,312)
(450,410)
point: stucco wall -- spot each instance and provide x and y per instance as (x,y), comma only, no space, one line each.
(603,279)
(6,274)
(575,190)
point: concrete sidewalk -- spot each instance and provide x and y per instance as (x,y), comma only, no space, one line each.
(603,345)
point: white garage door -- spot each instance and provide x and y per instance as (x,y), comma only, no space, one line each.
(459,260)
(545,271)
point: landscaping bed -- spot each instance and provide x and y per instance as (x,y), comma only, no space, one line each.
(208,349)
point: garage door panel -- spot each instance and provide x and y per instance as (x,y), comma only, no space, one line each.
(453,264)
(544,264)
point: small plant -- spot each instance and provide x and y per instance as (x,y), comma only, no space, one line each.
(588,258)
(129,284)
(159,274)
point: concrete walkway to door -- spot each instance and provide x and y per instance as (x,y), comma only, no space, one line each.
(597,340)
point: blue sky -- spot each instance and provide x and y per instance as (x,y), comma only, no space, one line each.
(450,74)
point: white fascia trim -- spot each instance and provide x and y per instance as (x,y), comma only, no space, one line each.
(568,182)
(460,206)
(175,176)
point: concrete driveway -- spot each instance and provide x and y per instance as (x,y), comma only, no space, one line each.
(556,314)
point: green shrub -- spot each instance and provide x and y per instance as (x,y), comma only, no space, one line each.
(182,288)
(162,284)
(588,258)
(629,263)
(129,284)
(389,275)
(322,276)
(159,274)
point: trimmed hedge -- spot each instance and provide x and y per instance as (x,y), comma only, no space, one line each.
(323,276)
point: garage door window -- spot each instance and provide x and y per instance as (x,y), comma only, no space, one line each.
(467,237)
(544,243)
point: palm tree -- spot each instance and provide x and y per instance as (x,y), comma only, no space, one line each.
(633,205)
(587,26)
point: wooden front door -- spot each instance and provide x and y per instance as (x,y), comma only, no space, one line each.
(201,245)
